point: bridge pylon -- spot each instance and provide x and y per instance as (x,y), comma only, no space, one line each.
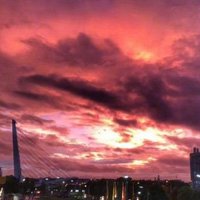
(16,155)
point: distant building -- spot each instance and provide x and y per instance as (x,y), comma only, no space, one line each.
(195,168)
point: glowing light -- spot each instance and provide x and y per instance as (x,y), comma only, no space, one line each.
(145,55)
(142,162)
(106,135)
(107,121)
(102,198)
(96,156)
(168,147)
(139,162)
(150,134)
(1,192)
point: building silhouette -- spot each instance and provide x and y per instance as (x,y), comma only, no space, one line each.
(195,168)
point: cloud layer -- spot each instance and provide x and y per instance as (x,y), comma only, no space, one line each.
(100,88)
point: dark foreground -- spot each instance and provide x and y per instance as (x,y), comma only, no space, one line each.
(123,188)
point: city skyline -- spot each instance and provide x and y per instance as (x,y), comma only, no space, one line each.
(101,88)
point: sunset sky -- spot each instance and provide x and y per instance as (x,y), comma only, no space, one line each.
(100,88)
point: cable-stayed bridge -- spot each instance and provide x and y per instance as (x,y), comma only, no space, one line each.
(27,163)
(32,159)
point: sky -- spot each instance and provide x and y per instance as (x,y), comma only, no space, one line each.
(100,88)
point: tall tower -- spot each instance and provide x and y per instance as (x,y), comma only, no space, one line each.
(195,168)
(16,158)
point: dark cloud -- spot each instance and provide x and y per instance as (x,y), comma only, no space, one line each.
(80,51)
(31,119)
(33,96)
(168,98)
(165,98)
(9,105)
(44,99)
(80,88)
(126,122)
(183,86)
(152,91)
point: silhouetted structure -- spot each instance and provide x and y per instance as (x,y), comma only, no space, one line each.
(195,168)
(16,157)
